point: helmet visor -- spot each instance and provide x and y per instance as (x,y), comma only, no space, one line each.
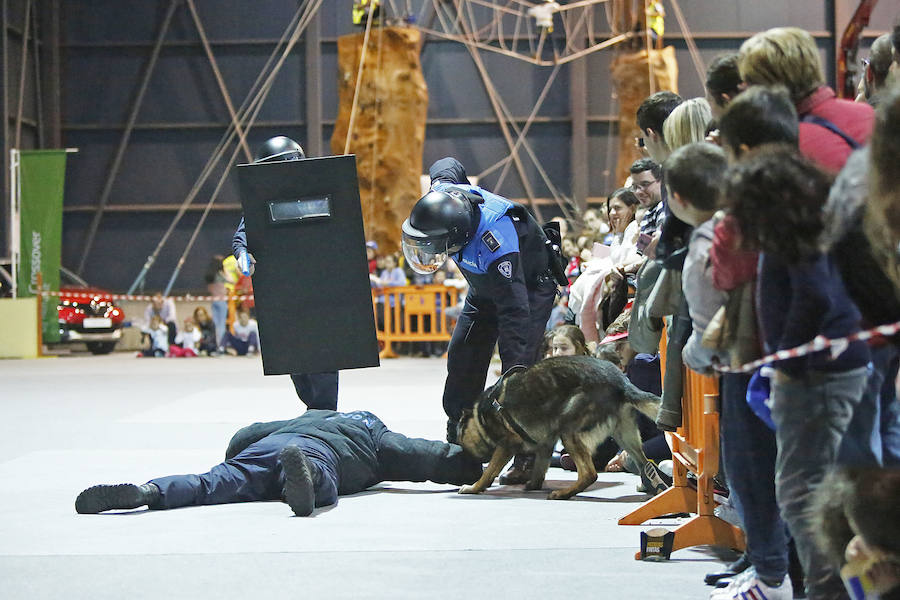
(424,255)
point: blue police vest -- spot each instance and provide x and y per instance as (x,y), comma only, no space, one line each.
(495,236)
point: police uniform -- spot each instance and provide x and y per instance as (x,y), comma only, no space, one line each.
(316,390)
(348,453)
(511,294)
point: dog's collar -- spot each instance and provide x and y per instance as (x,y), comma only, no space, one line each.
(498,408)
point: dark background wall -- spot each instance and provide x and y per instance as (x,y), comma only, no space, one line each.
(93,53)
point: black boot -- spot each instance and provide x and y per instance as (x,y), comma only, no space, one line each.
(101,498)
(452,435)
(520,472)
(299,490)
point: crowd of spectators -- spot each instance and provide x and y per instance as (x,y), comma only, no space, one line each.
(764,217)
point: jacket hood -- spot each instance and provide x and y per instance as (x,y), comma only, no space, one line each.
(448,170)
(847,199)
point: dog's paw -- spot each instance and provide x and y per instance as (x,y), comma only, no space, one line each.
(557,495)
(468,489)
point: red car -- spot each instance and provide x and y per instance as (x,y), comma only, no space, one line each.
(89,315)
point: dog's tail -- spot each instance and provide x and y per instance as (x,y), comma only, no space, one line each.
(645,402)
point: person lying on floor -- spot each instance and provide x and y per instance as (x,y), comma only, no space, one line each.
(307,462)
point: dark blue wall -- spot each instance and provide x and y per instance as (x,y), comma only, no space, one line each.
(106,45)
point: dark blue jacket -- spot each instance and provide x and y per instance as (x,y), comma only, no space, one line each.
(800,301)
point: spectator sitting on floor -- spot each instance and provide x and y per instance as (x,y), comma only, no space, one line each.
(187,340)
(600,293)
(157,335)
(209,342)
(245,338)
(164,308)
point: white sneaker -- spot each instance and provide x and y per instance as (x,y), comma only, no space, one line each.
(729,591)
(756,588)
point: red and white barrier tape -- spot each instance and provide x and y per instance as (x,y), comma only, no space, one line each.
(144,298)
(836,346)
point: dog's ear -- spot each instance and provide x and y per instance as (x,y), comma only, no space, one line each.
(466,414)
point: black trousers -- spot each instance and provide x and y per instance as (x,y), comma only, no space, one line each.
(472,345)
(317,390)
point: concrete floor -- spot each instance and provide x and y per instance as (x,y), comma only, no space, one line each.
(71,422)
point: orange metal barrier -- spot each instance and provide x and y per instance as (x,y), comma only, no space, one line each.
(412,313)
(695,448)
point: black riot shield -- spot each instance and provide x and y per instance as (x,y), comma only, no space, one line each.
(311,284)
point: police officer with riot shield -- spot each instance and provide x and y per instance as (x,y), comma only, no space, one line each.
(316,390)
(512,270)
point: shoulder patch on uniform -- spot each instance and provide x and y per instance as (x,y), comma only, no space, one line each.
(490,241)
(505,269)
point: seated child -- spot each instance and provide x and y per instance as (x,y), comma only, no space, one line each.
(245,338)
(187,341)
(157,338)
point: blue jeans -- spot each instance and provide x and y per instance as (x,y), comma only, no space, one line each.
(873,437)
(220,317)
(749,453)
(254,474)
(811,412)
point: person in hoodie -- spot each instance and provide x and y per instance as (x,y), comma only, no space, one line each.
(694,175)
(777,198)
(505,257)
(307,462)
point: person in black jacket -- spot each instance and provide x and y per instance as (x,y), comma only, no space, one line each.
(316,390)
(307,462)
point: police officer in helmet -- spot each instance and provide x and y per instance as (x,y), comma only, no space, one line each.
(316,390)
(504,255)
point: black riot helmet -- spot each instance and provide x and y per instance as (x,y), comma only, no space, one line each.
(440,224)
(279,148)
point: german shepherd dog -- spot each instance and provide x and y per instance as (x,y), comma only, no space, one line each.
(579,399)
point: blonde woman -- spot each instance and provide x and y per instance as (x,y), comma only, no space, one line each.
(687,123)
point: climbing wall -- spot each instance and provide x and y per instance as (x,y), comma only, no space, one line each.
(631,77)
(388,126)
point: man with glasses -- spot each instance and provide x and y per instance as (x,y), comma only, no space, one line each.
(645,183)
(875,70)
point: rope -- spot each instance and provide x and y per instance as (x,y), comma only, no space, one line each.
(214,159)
(255,106)
(370,211)
(359,74)
(692,46)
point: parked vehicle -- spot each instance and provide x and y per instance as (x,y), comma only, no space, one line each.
(89,315)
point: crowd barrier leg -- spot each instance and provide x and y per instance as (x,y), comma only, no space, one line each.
(695,448)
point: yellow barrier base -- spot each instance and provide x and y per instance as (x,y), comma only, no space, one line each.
(18,328)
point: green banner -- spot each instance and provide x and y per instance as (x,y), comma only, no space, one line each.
(42,175)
